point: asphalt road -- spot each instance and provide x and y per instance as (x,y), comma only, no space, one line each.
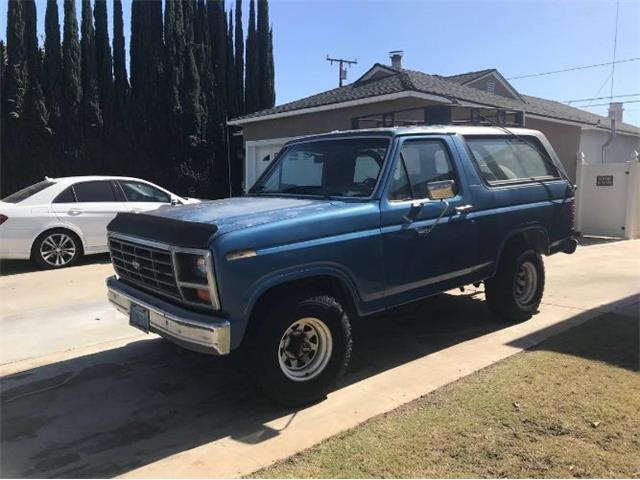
(84,395)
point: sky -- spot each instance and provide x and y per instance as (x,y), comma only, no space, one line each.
(518,37)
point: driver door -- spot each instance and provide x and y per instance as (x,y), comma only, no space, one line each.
(422,254)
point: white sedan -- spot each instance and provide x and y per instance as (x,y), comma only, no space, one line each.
(56,221)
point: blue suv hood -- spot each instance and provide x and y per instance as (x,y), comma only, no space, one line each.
(232,214)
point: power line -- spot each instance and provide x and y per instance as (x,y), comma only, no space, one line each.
(634,59)
(615,45)
(602,98)
(604,104)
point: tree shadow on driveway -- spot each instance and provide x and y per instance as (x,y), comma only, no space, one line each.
(105,414)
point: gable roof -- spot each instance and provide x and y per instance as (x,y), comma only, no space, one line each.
(464,78)
(416,83)
(472,77)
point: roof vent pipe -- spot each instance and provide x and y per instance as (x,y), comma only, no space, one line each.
(612,136)
(396,59)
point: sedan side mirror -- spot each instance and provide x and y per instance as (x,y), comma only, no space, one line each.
(441,190)
(175,201)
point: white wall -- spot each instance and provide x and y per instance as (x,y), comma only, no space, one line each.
(620,150)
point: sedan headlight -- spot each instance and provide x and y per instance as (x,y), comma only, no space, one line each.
(201,267)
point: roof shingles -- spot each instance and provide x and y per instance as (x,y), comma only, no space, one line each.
(448,87)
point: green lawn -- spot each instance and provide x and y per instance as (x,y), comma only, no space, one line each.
(568,408)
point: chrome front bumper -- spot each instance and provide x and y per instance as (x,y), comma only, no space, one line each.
(191,330)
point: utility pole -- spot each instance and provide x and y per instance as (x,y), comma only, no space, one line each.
(343,64)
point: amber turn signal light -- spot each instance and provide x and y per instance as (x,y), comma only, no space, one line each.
(203,295)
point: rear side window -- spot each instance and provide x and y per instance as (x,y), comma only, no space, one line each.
(508,159)
(421,162)
(98,191)
(66,196)
(25,193)
(143,192)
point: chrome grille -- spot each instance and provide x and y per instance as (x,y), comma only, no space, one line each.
(144,265)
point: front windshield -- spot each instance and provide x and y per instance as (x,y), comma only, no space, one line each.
(338,167)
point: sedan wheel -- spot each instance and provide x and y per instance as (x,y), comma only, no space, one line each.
(56,249)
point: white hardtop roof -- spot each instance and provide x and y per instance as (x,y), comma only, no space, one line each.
(88,178)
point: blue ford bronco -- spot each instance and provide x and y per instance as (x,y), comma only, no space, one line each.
(338,227)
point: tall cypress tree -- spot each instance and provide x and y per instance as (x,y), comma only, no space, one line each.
(92,118)
(147,66)
(147,107)
(239,60)
(103,62)
(16,89)
(174,51)
(232,93)
(52,78)
(251,73)
(266,95)
(37,157)
(72,91)
(121,82)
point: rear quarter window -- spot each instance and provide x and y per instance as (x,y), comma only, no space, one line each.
(25,193)
(509,159)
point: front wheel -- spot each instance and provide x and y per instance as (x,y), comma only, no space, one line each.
(300,347)
(56,249)
(516,290)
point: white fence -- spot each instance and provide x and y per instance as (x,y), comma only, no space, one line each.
(608,199)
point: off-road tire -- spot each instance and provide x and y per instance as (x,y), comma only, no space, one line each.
(500,290)
(36,249)
(262,356)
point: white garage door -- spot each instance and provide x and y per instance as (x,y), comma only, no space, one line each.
(258,155)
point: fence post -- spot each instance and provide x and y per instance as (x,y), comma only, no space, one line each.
(633,195)
(579,189)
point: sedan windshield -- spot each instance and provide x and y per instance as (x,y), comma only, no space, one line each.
(338,167)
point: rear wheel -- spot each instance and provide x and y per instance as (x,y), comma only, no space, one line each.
(299,348)
(516,290)
(57,248)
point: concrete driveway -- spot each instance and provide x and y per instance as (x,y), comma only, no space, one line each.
(83,395)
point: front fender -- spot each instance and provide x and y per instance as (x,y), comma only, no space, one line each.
(274,279)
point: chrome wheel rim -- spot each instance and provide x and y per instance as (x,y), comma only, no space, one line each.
(58,249)
(525,283)
(305,349)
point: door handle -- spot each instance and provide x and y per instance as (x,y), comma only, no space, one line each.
(463,209)
(74,211)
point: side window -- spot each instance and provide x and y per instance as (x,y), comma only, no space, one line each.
(425,161)
(143,192)
(507,159)
(66,196)
(98,191)
(400,189)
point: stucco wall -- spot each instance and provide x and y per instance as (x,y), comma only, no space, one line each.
(565,140)
(620,150)
(321,122)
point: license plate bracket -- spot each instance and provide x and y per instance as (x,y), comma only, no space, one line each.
(139,317)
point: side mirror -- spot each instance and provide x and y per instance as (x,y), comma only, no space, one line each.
(175,201)
(441,190)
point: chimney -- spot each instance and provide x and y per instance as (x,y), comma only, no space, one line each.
(396,59)
(615,111)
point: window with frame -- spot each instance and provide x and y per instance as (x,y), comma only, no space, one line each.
(96,191)
(421,162)
(143,192)
(66,196)
(510,159)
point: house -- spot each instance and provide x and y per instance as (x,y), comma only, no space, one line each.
(392,95)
